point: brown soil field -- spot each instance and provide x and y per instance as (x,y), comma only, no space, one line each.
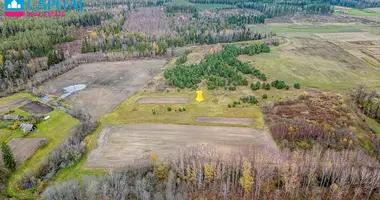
(23,148)
(108,83)
(36,107)
(119,145)
(225,120)
(169,100)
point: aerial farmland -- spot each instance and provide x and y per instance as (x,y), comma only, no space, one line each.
(195,99)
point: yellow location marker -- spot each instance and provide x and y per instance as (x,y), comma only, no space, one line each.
(199,96)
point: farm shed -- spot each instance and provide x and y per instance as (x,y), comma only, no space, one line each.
(26,128)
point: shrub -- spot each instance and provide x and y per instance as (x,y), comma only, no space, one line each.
(183,109)
(297,86)
(180,109)
(181,60)
(278,84)
(249,99)
(287,87)
(256,86)
(265,96)
(169,109)
(265,86)
(229,105)
(154,112)
(232,88)
(43,143)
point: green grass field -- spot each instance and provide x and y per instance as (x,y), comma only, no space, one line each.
(358,12)
(56,129)
(312,71)
(276,28)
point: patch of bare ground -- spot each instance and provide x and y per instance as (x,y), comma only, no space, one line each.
(282,19)
(23,148)
(225,120)
(74,47)
(163,100)
(150,21)
(13,104)
(326,50)
(108,83)
(119,145)
(36,107)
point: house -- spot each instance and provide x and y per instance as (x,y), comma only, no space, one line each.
(26,128)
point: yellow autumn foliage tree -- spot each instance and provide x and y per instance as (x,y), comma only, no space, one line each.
(246,181)
(190,174)
(209,170)
(155,46)
(94,34)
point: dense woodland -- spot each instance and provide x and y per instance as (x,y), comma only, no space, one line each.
(28,46)
(221,69)
(150,36)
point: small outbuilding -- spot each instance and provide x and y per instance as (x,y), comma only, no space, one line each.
(26,128)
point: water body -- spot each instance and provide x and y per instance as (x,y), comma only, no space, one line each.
(72,89)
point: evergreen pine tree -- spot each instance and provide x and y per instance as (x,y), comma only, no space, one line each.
(9,161)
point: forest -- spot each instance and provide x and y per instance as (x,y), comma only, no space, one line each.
(221,69)
(28,46)
(200,172)
(170,32)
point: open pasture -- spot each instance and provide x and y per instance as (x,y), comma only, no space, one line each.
(119,145)
(108,84)
(318,63)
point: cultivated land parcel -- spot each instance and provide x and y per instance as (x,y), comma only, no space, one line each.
(141,114)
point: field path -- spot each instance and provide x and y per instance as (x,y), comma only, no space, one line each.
(119,145)
(163,100)
(225,120)
(13,104)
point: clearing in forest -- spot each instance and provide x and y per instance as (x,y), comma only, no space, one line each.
(23,148)
(119,145)
(107,83)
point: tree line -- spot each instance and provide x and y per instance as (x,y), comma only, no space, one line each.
(201,172)
(25,42)
(203,30)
